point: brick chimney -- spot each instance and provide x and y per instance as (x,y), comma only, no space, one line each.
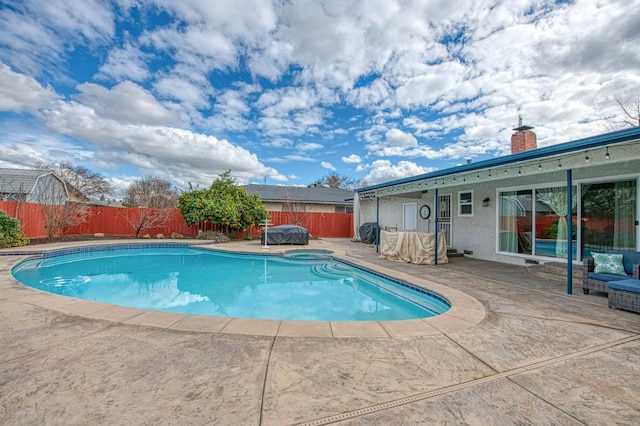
(523,139)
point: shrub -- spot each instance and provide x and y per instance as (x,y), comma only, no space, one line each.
(10,234)
(215,236)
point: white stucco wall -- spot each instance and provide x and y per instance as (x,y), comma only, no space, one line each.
(477,233)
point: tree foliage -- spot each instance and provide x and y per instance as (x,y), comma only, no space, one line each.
(629,113)
(150,198)
(142,218)
(152,192)
(10,233)
(59,214)
(223,203)
(90,184)
(336,180)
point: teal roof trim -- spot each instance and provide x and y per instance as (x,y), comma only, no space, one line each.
(620,136)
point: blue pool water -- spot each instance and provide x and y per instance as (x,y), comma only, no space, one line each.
(195,281)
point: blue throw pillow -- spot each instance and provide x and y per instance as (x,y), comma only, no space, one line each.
(608,263)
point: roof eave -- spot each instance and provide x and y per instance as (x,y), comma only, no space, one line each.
(620,136)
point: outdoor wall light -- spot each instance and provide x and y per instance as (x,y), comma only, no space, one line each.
(606,156)
(485,202)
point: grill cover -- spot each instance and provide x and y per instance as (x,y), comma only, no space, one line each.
(285,234)
(368,231)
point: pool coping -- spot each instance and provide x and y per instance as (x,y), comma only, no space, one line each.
(465,312)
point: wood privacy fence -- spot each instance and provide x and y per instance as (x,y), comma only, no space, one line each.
(120,221)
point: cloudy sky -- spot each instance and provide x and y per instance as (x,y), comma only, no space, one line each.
(288,91)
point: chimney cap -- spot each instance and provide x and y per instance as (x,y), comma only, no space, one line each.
(520,127)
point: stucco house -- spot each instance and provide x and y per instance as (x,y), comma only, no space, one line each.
(318,199)
(514,209)
(37,186)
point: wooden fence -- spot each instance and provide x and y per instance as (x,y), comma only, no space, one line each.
(120,222)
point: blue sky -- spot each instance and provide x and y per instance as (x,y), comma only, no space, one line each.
(288,92)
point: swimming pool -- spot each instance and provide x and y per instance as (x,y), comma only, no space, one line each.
(179,278)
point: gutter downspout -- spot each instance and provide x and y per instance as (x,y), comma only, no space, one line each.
(569,234)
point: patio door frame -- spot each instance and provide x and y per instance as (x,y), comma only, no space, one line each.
(444,216)
(409,214)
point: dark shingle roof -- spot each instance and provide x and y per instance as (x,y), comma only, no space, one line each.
(302,195)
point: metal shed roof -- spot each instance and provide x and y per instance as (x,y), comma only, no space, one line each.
(19,181)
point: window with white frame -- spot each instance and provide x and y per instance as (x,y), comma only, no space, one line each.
(465,203)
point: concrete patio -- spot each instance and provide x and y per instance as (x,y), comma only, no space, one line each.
(535,355)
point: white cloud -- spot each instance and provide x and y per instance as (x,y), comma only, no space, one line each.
(180,153)
(39,33)
(384,171)
(128,103)
(125,63)
(453,78)
(352,159)
(180,89)
(399,138)
(20,155)
(19,92)
(308,146)
(327,165)
(295,157)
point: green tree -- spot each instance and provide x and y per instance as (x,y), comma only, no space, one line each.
(10,233)
(224,204)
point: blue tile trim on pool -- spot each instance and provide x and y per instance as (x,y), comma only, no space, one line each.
(126,246)
(399,282)
(369,271)
(113,247)
(91,248)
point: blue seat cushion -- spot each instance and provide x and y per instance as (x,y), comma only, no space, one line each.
(632,286)
(607,277)
(629,258)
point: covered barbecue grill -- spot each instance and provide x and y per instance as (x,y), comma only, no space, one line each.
(285,234)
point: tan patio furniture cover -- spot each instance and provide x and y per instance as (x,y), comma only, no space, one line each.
(412,247)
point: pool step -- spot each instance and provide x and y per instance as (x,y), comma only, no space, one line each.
(328,270)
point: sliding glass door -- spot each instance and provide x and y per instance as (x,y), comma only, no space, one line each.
(534,221)
(609,216)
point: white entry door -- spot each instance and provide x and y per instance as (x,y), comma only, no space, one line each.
(410,216)
(444,216)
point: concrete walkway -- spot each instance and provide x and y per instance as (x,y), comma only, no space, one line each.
(536,356)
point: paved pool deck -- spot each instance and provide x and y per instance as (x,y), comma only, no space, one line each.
(515,349)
